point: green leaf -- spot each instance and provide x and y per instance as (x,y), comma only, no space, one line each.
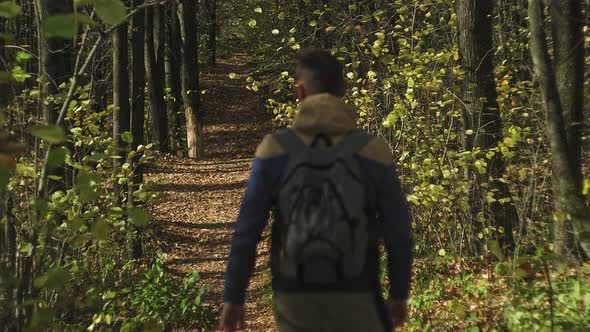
(86,187)
(19,74)
(110,11)
(57,157)
(138,217)
(442,252)
(494,248)
(252,23)
(100,230)
(127,137)
(61,26)
(586,188)
(258,10)
(275,32)
(26,249)
(9,9)
(232,76)
(54,279)
(50,134)
(22,57)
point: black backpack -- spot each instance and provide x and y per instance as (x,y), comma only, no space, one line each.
(324,232)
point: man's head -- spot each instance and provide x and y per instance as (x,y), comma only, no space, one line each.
(318,71)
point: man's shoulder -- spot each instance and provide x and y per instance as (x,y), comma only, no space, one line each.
(377,150)
(269,148)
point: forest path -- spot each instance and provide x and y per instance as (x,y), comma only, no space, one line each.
(200,198)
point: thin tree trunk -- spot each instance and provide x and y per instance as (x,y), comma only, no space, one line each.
(211,9)
(481,114)
(190,81)
(173,79)
(565,168)
(568,43)
(122,114)
(154,66)
(134,247)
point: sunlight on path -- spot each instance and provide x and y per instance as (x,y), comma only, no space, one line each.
(200,199)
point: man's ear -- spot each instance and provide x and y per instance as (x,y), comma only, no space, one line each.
(301,94)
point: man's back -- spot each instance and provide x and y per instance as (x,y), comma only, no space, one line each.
(386,210)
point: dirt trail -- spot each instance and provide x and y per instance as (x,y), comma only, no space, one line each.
(201,198)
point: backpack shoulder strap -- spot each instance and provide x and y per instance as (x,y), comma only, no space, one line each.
(353,142)
(290,141)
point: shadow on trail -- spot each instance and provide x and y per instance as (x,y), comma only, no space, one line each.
(189,188)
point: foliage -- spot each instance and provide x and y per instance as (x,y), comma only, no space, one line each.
(156,301)
(472,295)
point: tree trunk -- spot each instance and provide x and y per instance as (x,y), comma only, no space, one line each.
(211,9)
(55,55)
(565,167)
(154,67)
(121,115)
(481,113)
(190,78)
(173,80)
(568,43)
(134,247)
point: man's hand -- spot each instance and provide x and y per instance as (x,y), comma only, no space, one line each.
(232,318)
(398,309)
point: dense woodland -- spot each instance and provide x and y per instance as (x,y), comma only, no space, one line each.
(484,104)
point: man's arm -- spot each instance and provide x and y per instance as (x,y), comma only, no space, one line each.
(252,219)
(397,234)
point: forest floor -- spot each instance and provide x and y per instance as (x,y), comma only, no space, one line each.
(199,199)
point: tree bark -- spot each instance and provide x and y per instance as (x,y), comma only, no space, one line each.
(56,55)
(134,247)
(565,167)
(173,79)
(568,43)
(481,113)
(211,9)
(122,114)
(154,66)
(190,78)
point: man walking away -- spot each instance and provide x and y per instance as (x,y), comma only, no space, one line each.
(335,195)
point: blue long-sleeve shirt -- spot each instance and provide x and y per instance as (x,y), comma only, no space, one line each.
(389,213)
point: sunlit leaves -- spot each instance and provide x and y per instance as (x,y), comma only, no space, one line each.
(258,10)
(9,9)
(22,57)
(232,76)
(275,32)
(110,11)
(25,170)
(252,23)
(127,137)
(50,134)
(19,74)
